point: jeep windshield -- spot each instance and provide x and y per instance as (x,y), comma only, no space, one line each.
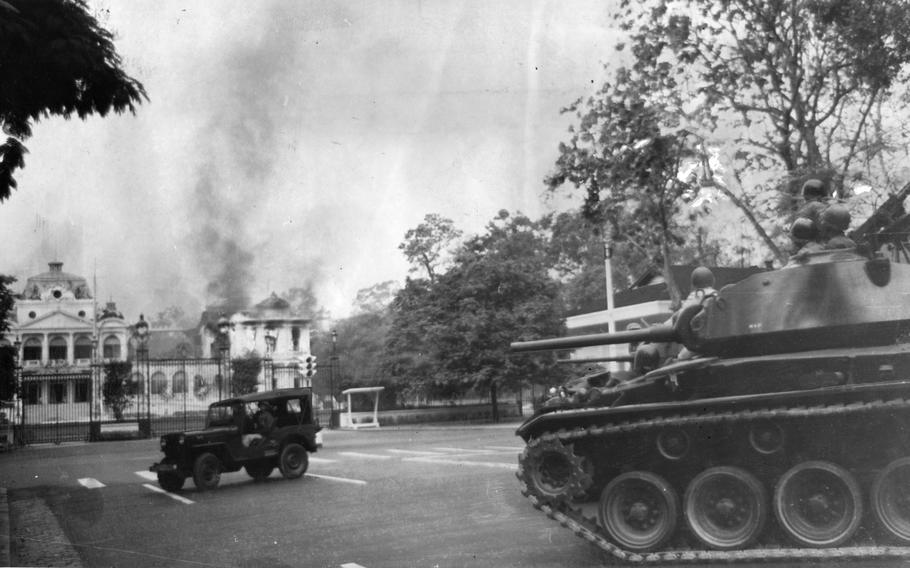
(219,416)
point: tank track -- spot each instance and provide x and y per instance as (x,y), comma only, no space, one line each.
(588,529)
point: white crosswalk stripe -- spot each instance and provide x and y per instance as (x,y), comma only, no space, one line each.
(173,496)
(499,465)
(90,482)
(322,460)
(367,456)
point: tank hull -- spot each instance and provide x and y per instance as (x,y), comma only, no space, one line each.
(843,422)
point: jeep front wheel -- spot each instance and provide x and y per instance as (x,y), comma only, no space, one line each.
(170,481)
(259,470)
(294,461)
(207,471)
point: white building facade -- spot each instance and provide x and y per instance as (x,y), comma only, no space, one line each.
(60,332)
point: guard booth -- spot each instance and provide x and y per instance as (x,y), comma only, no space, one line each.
(358,420)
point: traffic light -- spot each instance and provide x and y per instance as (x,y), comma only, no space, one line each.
(310,365)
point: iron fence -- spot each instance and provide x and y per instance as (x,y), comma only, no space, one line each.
(160,396)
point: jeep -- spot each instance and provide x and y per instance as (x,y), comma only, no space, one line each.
(238,435)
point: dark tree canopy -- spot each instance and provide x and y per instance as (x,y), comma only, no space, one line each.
(452,333)
(55,60)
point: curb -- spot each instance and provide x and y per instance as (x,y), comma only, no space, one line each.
(4,529)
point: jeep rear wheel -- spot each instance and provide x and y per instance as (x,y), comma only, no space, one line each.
(207,471)
(259,470)
(294,461)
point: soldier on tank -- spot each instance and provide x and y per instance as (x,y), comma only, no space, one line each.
(834,222)
(805,229)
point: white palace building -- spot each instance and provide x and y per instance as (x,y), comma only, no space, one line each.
(64,341)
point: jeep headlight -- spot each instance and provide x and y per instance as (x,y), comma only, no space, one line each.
(163,443)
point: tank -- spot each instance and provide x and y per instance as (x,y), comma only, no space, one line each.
(769,419)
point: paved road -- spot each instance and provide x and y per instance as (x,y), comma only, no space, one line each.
(422,497)
(408,497)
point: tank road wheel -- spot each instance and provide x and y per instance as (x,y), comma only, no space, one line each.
(890,499)
(726,507)
(259,470)
(553,471)
(673,444)
(207,471)
(638,510)
(293,461)
(818,504)
(766,437)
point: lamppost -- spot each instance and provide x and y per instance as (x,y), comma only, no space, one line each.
(332,377)
(224,344)
(142,355)
(18,419)
(95,383)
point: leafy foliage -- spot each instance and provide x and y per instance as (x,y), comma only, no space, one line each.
(245,374)
(7,301)
(776,92)
(627,156)
(453,333)
(116,390)
(375,299)
(425,245)
(8,385)
(56,60)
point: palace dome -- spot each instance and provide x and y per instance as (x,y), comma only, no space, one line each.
(56,284)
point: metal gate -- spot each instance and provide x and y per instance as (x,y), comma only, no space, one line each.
(56,407)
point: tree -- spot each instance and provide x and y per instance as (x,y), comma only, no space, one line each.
(425,245)
(7,301)
(360,347)
(453,333)
(56,60)
(245,374)
(577,249)
(776,92)
(377,298)
(116,391)
(8,385)
(627,155)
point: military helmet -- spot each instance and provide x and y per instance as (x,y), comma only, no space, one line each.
(836,216)
(814,188)
(803,229)
(702,277)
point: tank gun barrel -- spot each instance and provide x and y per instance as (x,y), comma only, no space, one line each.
(655,333)
(616,359)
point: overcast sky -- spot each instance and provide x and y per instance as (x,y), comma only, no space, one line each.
(288,142)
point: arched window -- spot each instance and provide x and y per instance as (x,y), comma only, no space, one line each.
(159,383)
(178,383)
(111,347)
(57,350)
(31,350)
(137,383)
(83,348)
